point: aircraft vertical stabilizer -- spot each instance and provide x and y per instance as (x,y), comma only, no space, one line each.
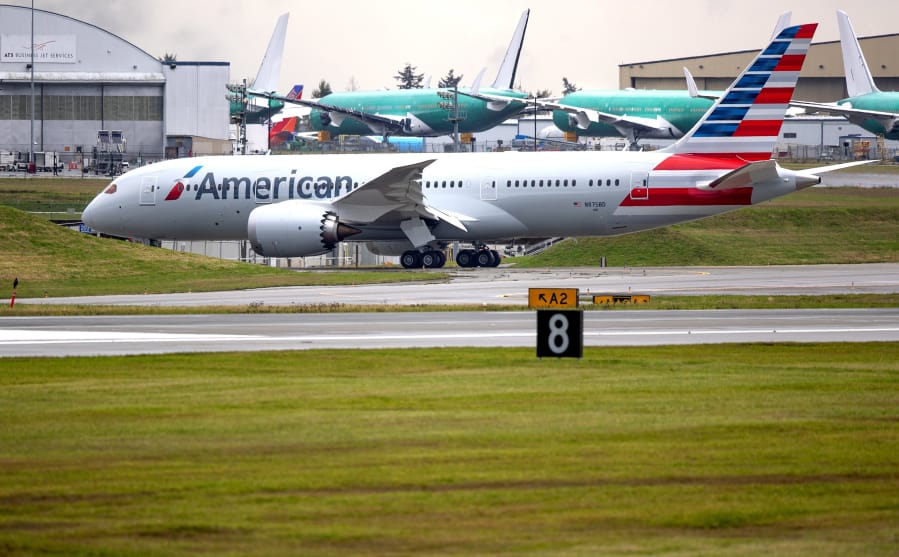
(270,69)
(745,122)
(505,78)
(858,77)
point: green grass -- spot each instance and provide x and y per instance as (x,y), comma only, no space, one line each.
(54,197)
(699,450)
(52,261)
(819,225)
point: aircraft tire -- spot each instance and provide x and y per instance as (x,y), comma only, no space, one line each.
(432,259)
(486,259)
(410,259)
(496,258)
(466,258)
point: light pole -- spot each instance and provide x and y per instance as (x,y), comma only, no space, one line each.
(31,139)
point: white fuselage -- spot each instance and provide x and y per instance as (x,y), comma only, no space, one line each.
(497,196)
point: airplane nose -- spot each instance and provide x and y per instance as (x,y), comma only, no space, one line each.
(87,216)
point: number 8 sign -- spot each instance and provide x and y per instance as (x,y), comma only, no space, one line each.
(560,333)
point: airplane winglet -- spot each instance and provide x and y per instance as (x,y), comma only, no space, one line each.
(476,84)
(691,83)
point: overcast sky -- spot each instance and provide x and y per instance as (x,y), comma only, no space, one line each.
(368,41)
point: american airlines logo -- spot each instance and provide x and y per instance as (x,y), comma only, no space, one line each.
(262,188)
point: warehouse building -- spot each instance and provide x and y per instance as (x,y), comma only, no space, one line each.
(97,96)
(821,80)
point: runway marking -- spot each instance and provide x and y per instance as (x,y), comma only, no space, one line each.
(38,336)
(16,337)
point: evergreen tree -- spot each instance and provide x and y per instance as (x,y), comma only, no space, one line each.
(449,81)
(568,87)
(408,78)
(324,89)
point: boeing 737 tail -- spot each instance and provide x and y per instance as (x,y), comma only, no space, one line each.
(505,77)
(745,122)
(858,76)
(270,69)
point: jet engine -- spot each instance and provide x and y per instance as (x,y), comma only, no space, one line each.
(296,228)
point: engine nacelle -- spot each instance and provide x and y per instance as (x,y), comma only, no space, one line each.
(296,228)
(413,125)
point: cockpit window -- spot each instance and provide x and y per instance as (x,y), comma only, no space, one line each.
(111,189)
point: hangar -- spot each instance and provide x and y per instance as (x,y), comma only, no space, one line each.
(95,94)
(821,80)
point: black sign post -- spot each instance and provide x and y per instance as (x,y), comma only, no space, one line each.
(560,333)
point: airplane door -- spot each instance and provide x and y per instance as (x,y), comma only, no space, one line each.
(148,190)
(488,189)
(640,185)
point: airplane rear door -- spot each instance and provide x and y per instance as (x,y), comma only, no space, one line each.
(640,185)
(148,190)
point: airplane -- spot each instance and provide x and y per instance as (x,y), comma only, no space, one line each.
(635,114)
(418,112)
(266,80)
(414,205)
(866,106)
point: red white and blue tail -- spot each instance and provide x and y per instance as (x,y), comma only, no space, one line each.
(745,122)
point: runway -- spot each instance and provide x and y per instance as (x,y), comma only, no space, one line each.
(510,286)
(111,335)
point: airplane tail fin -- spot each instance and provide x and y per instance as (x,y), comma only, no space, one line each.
(296,92)
(858,76)
(270,69)
(745,122)
(505,78)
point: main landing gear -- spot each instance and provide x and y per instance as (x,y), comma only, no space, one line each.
(478,258)
(430,259)
(434,259)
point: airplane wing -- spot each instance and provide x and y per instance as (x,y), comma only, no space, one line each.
(396,193)
(627,126)
(494,102)
(377,122)
(693,90)
(889,120)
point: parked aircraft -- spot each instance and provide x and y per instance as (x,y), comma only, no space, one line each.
(635,114)
(259,111)
(867,106)
(414,205)
(422,112)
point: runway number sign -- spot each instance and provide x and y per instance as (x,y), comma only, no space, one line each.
(560,333)
(543,298)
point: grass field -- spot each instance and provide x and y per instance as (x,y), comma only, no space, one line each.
(708,450)
(818,225)
(51,261)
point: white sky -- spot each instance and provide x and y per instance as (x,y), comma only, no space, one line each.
(369,41)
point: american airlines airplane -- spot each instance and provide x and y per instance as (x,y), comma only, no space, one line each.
(413,205)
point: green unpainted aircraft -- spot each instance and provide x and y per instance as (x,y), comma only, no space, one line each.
(866,106)
(426,112)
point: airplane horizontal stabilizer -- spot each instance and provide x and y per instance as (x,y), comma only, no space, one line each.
(748,175)
(832,167)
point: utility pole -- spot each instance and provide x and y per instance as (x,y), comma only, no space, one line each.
(238,94)
(452,104)
(31,138)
